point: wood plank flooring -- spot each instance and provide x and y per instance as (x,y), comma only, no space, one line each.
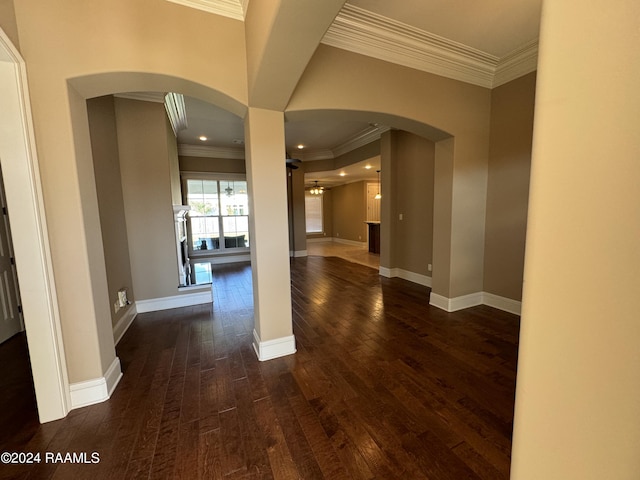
(382,386)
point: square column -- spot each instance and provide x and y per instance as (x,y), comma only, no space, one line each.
(267,181)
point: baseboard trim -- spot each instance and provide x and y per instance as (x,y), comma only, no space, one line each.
(406,275)
(502,303)
(350,242)
(319,239)
(474,299)
(176,301)
(98,390)
(298,253)
(124,323)
(271,349)
(246,257)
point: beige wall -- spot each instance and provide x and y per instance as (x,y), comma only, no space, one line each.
(8,22)
(508,186)
(213,165)
(349,211)
(146,186)
(432,107)
(106,161)
(578,393)
(412,236)
(76,51)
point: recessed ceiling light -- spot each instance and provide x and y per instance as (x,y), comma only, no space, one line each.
(202,137)
(368,167)
(342,174)
(300,146)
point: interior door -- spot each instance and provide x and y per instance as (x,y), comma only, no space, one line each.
(10,312)
(373,205)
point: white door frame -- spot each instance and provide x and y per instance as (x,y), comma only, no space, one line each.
(27,215)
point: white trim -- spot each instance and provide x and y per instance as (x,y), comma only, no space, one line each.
(516,64)
(474,299)
(298,253)
(276,348)
(502,303)
(457,303)
(174,105)
(98,390)
(367,33)
(227,8)
(361,31)
(406,275)
(365,137)
(319,240)
(124,323)
(313,155)
(204,151)
(350,242)
(176,301)
(29,230)
(220,259)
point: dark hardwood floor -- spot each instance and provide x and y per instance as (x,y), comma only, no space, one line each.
(383,386)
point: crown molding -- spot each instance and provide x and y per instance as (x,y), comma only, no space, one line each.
(367,33)
(365,137)
(156,97)
(312,155)
(205,151)
(360,139)
(519,62)
(174,105)
(235,9)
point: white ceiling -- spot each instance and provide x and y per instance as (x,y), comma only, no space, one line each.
(491,29)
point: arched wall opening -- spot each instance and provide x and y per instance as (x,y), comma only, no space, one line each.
(425,171)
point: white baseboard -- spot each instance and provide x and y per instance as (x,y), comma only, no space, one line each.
(298,253)
(457,303)
(406,275)
(271,349)
(350,242)
(98,390)
(502,303)
(474,299)
(124,323)
(245,257)
(319,240)
(177,301)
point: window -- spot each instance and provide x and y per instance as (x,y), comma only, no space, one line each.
(313,213)
(219,215)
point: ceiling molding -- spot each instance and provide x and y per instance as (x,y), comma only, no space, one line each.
(156,97)
(235,9)
(367,33)
(521,61)
(312,155)
(205,151)
(365,137)
(360,139)
(174,105)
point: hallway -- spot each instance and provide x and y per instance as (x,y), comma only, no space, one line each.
(382,386)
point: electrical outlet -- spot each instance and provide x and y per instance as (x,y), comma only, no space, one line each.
(401,216)
(430,267)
